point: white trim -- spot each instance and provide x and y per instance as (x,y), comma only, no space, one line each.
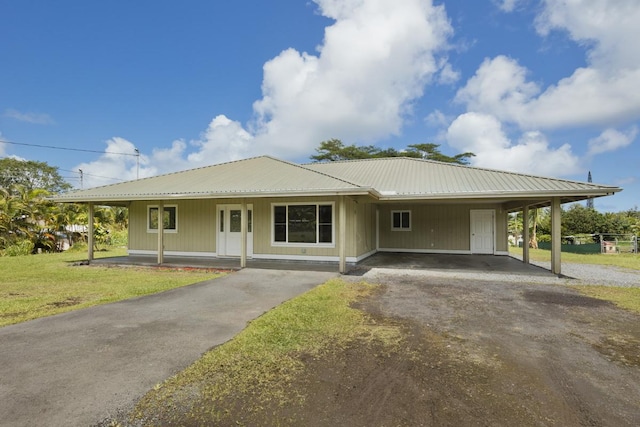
(377,227)
(221,246)
(401,228)
(173,253)
(164,208)
(323,258)
(501,253)
(426,251)
(363,256)
(302,244)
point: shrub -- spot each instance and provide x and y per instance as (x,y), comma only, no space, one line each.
(21,247)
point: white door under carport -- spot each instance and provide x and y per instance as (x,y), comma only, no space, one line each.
(482,231)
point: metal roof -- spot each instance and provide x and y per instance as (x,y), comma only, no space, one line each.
(408,178)
(397,178)
(254,177)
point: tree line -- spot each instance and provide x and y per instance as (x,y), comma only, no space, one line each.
(30,222)
(577,220)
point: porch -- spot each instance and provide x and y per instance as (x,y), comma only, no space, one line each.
(393,260)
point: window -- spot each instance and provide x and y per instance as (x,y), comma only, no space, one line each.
(170,223)
(401,220)
(302,224)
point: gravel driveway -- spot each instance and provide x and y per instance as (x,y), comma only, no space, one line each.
(526,349)
(592,274)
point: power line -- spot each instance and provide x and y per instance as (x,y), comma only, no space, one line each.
(137,154)
(90,174)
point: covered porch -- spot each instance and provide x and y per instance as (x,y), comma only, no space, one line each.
(392,260)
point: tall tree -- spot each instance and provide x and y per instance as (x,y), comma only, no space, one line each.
(30,175)
(432,152)
(334,150)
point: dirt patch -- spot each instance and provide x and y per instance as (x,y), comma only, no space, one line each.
(471,353)
(563,298)
(67,302)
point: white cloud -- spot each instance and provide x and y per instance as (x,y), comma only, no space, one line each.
(374,61)
(499,87)
(437,119)
(448,75)
(608,27)
(33,118)
(507,5)
(483,135)
(223,140)
(602,93)
(611,140)
(118,163)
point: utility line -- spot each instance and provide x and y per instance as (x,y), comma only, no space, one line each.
(67,148)
(90,174)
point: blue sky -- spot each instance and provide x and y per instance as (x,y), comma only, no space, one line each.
(541,87)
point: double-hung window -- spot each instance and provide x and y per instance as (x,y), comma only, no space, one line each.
(401,220)
(170,223)
(303,224)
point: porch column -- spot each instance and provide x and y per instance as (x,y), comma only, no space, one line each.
(160,232)
(525,234)
(90,232)
(377,228)
(243,233)
(342,244)
(556,247)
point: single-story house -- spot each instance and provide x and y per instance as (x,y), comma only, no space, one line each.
(266,208)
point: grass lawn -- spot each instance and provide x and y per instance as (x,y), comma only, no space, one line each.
(631,261)
(35,286)
(627,298)
(262,360)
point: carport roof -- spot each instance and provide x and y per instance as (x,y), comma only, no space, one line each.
(388,179)
(410,178)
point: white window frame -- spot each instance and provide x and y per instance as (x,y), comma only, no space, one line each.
(304,245)
(400,212)
(166,230)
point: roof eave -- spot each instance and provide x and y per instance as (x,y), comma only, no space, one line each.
(507,195)
(191,196)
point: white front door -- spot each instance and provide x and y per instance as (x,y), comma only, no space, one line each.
(230,231)
(482,231)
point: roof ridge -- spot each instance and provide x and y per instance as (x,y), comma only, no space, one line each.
(528,175)
(175,172)
(303,166)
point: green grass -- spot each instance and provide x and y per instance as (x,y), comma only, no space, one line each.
(627,298)
(625,260)
(264,358)
(34,286)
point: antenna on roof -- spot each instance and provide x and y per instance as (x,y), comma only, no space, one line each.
(590,199)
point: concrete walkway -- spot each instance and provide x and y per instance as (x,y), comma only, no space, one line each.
(80,367)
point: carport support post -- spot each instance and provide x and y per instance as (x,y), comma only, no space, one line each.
(90,232)
(556,247)
(342,249)
(160,232)
(243,234)
(525,234)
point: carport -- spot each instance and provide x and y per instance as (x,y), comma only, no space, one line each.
(391,260)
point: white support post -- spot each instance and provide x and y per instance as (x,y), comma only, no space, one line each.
(525,234)
(342,244)
(160,232)
(377,228)
(90,232)
(556,238)
(243,233)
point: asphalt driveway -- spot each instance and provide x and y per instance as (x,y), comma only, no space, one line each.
(80,367)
